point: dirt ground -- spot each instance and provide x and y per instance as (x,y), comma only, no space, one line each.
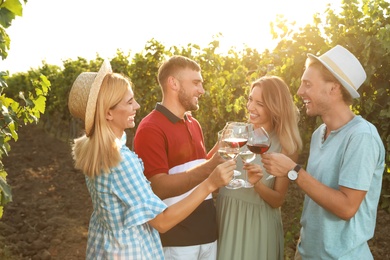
(49,215)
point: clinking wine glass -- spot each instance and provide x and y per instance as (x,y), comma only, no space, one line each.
(247,156)
(230,150)
(239,134)
(259,142)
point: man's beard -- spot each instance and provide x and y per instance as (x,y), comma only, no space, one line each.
(185,101)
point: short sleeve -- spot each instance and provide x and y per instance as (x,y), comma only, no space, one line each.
(359,162)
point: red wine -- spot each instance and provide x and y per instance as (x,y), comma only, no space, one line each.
(258,148)
(235,141)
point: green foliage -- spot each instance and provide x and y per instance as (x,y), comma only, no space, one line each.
(14,7)
(15,114)
(32,99)
(8,10)
(143,74)
(362,26)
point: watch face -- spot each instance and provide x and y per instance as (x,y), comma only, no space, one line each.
(292,175)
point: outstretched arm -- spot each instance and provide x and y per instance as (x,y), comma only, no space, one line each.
(343,202)
(180,210)
(170,185)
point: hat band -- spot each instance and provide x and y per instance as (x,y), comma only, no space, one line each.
(338,70)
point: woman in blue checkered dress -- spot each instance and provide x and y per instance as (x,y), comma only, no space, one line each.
(127,215)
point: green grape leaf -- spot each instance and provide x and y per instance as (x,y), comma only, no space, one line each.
(45,85)
(6,17)
(3,83)
(40,104)
(5,191)
(14,6)
(13,132)
(4,40)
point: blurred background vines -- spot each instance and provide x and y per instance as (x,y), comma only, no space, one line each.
(17,109)
(361,26)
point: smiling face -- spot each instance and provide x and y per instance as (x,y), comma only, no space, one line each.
(121,116)
(259,114)
(190,88)
(315,92)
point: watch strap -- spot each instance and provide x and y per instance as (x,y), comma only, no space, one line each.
(297,168)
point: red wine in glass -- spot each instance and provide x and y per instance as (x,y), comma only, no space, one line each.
(259,142)
(258,148)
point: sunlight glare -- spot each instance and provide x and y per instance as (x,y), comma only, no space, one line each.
(55,30)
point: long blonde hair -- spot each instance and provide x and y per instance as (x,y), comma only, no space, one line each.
(99,152)
(283,112)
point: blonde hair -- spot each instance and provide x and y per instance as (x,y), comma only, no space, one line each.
(99,152)
(283,112)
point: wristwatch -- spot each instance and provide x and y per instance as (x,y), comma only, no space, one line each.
(293,174)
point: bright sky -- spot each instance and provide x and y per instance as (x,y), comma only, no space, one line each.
(55,30)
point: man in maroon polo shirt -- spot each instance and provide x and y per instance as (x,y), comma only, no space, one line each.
(170,142)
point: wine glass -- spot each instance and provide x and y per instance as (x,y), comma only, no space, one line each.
(238,137)
(247,156)
(230,150)
(239,134)
(259,142)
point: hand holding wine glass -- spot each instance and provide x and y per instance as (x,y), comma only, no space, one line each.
(254,172)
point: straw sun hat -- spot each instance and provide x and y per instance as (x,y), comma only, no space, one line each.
(345,67)
(84,93)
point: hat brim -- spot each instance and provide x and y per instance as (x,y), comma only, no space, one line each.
(93,95)
(345,84)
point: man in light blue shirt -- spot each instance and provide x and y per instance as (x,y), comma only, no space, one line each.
(343,178)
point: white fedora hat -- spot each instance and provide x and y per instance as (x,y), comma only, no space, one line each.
(345,67)
(84,93)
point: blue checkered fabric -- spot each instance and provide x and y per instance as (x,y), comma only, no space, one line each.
(123,202)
